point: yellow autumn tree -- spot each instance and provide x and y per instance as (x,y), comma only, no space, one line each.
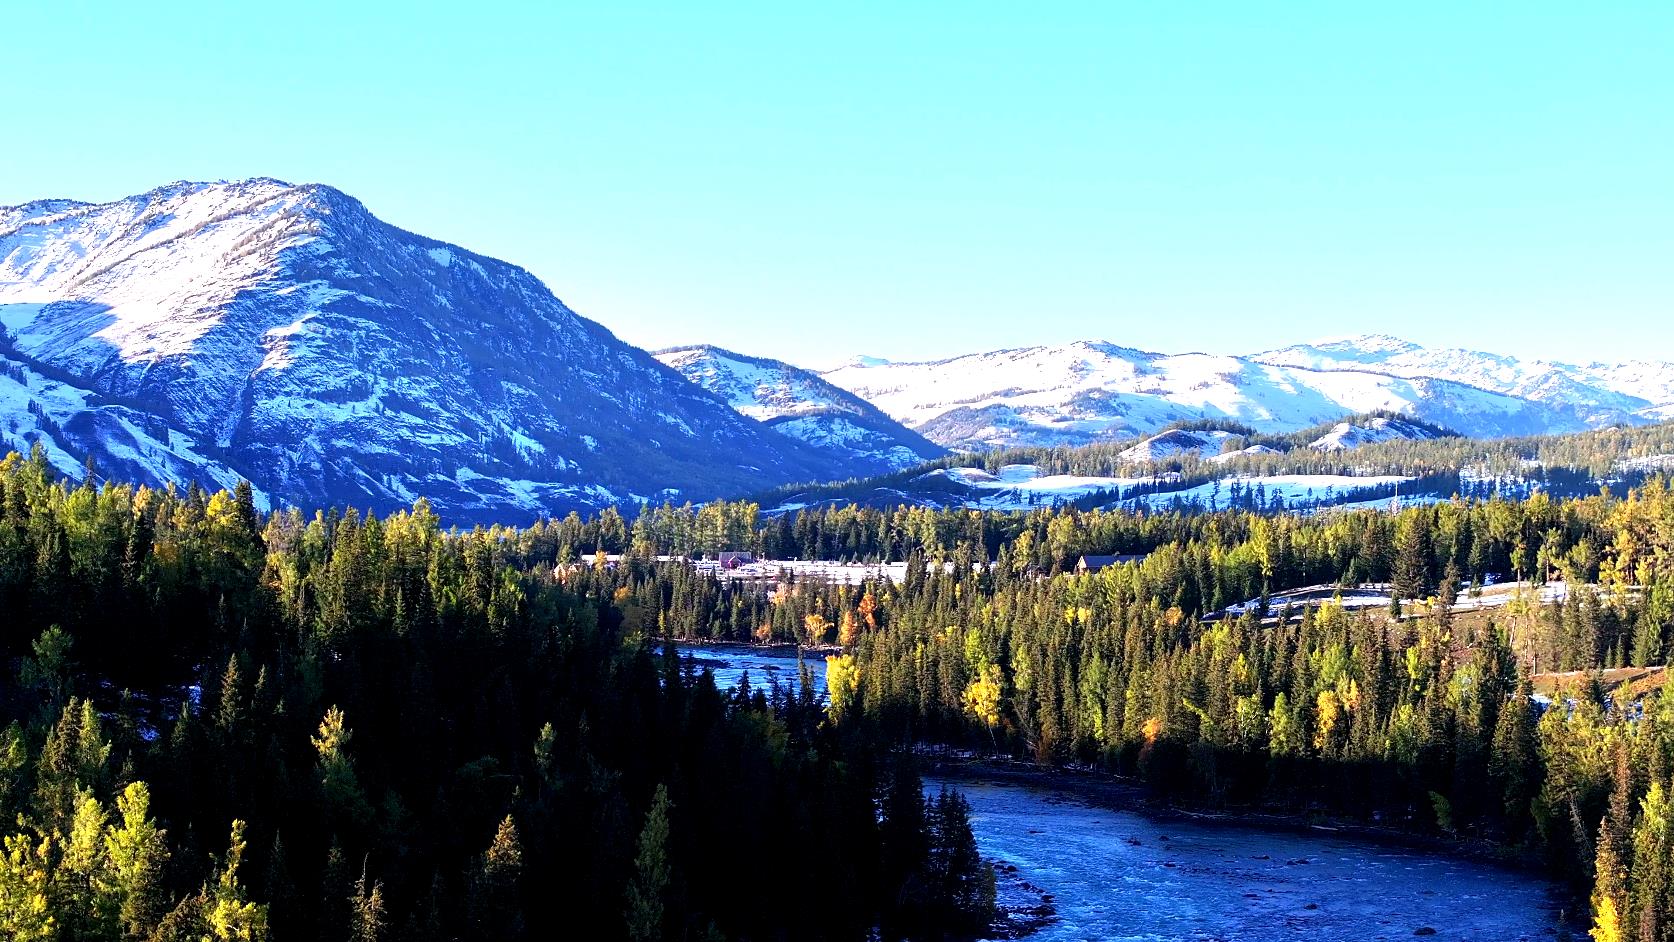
(842,681)
(817,627)
(229,915)
(1607,926)
(25,915)
(982,696)
(1329,711)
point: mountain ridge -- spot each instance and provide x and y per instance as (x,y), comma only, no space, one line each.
(286,335)
(800,404)
(1089,391)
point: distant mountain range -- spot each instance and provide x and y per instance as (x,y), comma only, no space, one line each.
(1093,391)
(284,335)
(1600,393)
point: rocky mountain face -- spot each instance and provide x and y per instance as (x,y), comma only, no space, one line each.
(285,335)
(799,404)
(1089,391)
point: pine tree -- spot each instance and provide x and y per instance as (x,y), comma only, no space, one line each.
(72,761)
(230,917)
(494,904)
(138,853)
(1514,763)
(338,783)
(26,911)
(965,883)
(649,886)
(366,911)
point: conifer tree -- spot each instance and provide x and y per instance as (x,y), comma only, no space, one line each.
(495,885)
(647,889)
(366,911)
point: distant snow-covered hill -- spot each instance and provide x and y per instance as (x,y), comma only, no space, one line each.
(798,403)
(284,334)
(1601,393)
(1090,391)
(1176,443)
(1348,435)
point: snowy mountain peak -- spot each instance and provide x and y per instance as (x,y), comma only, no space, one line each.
(859,362)
(285,334)
(800,404)
(1368,344)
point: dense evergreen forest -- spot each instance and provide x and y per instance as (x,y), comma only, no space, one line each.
(1422,719)
(215,726)
(364,728)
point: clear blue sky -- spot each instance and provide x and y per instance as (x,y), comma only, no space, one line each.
(919,180)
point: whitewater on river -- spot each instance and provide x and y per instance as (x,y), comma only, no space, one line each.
(1104,873)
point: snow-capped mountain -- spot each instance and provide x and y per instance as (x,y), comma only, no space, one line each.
(285,335)
(798,403)
(1602,393)
(1091,391)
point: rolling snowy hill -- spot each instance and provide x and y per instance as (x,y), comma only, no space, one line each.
(801,405)
(1348,435)
(1088,391)
(1601,393)
(285,335)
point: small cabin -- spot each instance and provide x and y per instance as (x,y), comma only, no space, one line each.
(1095,563)
(732,560)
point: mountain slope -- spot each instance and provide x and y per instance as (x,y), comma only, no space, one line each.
(1090,391)
(286,335)
(799,404)
(1603,393)
(1349,435)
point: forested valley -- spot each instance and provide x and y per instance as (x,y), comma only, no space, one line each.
(333,724)
(219,726)
(1423,719)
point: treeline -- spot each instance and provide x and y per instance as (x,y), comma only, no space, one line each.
(1563,465)
(215,725)
(1617,553)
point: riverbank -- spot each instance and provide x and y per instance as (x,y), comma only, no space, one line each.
(1083,856)
(1107,790)
(775,649)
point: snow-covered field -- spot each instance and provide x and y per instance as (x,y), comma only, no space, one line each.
(1295,491)
(1023,487)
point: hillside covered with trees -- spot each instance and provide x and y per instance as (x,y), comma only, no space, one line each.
(1423,720)
(219,726)
(373,728)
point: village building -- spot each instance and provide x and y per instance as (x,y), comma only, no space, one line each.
(1095,563)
